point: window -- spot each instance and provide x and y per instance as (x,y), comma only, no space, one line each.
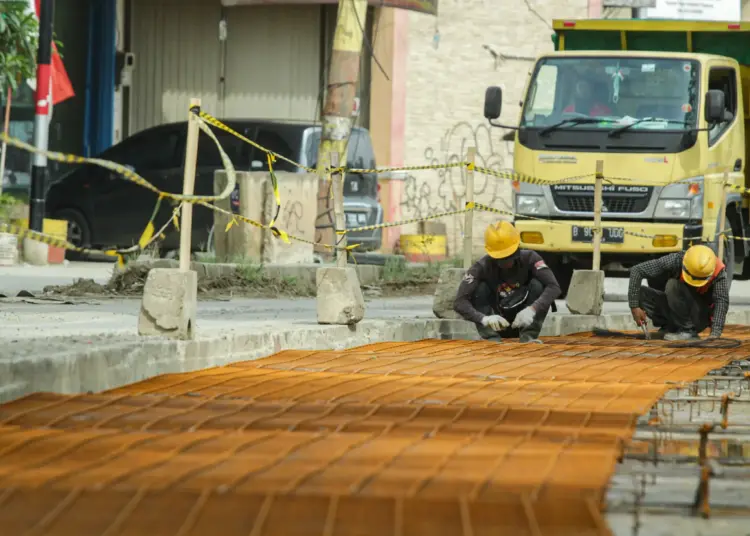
(156,149)
(660,92)
(236,149)
(273,142)
(725,80)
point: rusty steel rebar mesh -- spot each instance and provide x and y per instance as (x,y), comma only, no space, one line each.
(433,437)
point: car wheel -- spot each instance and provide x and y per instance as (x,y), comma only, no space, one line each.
(79,232)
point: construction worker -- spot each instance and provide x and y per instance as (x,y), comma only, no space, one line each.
(696,294)
(508,292)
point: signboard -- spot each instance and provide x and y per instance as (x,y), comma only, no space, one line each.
(423,6)
(704,10)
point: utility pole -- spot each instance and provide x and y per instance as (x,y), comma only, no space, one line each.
(342,81)
(41,119)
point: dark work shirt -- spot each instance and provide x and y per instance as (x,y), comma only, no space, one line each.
(529,265)
(671,266)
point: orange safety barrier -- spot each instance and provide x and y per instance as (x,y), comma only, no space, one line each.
(434,437)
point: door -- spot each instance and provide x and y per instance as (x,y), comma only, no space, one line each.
(122,208)
(273,62)
(176,46)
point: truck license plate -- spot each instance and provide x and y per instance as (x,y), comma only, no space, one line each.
(610,235)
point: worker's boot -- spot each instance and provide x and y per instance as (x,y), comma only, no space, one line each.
(681,336)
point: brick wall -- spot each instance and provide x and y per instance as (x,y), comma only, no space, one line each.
(446,82)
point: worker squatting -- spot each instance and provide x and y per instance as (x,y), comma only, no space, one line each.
(509,291)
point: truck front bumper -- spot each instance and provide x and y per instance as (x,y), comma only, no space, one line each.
(639,238)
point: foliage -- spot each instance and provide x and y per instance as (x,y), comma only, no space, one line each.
(19,31)
(7,202)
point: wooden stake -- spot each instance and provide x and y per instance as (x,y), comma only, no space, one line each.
(471,156)
(188,186)
(338,210)
(723,217)
(597,238)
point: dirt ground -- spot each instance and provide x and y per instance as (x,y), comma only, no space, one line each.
(131,282)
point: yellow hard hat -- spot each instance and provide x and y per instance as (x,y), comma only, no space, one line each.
(698,265)
(501,240)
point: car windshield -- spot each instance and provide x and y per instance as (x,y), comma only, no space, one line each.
(655,93)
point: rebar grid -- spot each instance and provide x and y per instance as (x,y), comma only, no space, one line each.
(439,437)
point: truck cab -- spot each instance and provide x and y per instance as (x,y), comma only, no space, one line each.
(663,104)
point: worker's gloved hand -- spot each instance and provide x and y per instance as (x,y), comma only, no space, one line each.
(639,315)
(524,318)
(496,322)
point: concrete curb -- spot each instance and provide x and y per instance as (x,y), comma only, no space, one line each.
(76,365)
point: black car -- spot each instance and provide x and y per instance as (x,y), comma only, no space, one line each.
(103,210)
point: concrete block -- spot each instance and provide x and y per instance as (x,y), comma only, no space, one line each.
(169,304)
(586,292)
(35,253)
(298,193)
(445,293)
(339,300)
(243,240)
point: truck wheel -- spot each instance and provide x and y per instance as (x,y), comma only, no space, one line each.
(729,252)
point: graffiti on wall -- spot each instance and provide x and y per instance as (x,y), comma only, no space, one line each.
(444,190)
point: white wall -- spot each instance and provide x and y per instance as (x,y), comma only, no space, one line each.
(445,96)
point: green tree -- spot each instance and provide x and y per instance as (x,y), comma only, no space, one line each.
(19,31)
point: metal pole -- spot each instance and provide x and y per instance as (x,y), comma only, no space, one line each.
(597,238)
(188,185)
(6,129)
(41,120)
(471,156)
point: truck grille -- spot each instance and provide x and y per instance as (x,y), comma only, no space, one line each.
(632,203)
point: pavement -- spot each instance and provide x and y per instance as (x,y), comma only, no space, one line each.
(79,345)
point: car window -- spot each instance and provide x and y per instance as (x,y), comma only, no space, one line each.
(152,150)
(237,150)
(273,142)
(360,153)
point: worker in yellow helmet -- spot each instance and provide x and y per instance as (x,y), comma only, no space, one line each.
(508,292)
(696,295)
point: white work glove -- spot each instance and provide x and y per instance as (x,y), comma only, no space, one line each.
(524,318)
(496,322)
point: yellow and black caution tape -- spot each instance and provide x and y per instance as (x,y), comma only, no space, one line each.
(436,216)
(211,120)
(119,254)
(131,175)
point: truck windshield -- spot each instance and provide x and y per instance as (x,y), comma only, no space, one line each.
(647,93)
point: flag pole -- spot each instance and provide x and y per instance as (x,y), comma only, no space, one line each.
(39,170)
(6,129)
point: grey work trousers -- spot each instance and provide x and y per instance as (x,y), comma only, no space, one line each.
(678,309)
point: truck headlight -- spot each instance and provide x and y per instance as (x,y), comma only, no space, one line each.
(530,204)
(681,201)
(673,208)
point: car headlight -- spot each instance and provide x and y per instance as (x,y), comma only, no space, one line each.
(530,204)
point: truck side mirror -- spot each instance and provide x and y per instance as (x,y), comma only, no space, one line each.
(714,106)
(493,102)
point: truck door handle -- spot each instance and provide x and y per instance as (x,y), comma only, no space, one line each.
(738,164)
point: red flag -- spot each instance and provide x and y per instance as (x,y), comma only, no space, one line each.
(62,89)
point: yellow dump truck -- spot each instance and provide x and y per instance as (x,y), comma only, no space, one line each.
(663,104)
